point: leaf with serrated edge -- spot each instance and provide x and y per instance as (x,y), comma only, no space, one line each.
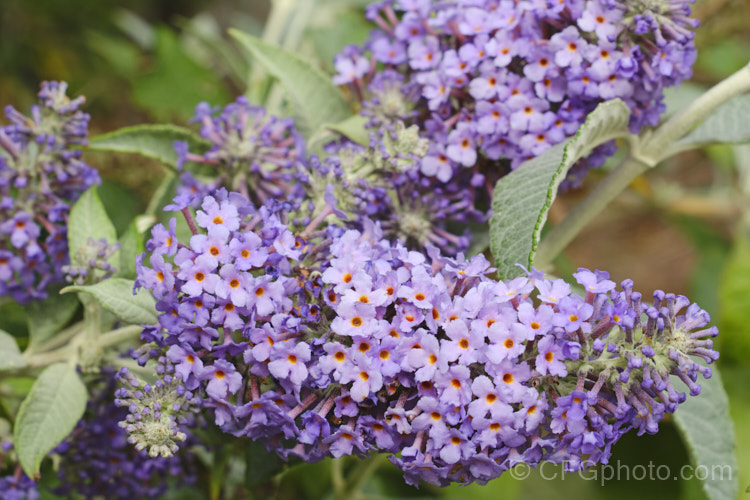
(316,99)
(45,318)
(51,410)
(10,354)
(708,434)
(729,124)
(151,141)
(522,198)
(88,219)
(116,295)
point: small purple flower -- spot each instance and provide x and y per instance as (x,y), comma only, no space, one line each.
(461,148)
(223,379)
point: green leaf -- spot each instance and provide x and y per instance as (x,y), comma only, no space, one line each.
(316,99)
(734,341)
(177,81)
(152,141)
(48,414)
(729,124)
(523,198)
(116,295)
(88,219)
(163,195)
(131,245)
(708,433)
(344,24)
(11,355)
(47,317)
(352,128)
(260,464)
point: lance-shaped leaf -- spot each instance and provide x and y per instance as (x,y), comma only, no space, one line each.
(523,198)
(47,317)
(88,219)
(729,124)
(353,128)
(131,245)
(51,410)
(708,433)
(152,141)
(10,355)
(116,295)
(317,101)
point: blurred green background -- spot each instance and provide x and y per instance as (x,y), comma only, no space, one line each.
(684,227)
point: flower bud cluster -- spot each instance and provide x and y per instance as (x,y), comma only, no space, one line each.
(252,152)
(99,461)
(156,413)
(337,342)
(41,174)
(90,263)
(498,80)
(378,182)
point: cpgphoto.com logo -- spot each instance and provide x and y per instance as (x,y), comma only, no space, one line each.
(617,471)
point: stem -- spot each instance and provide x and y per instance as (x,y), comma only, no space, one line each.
(43,359)
(82,339)
(189,220)
(350,489)
(606,191)
(660,144)
(363,472)
(119,336)
(58,340)
(337,478)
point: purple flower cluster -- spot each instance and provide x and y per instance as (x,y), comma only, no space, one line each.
(252,152)
(502,80)
(41,174)
(91,263)
(17,486)
(337,342)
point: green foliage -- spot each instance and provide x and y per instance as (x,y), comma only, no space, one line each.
(152,141)
(729,124)
(131,245)
(260,464)
(47,317)
(121,203)
(723,57)
(48,414)
(116,295)
(733,294)
(347,26)
(177,83)
(11,355)
(708,433)
(316,100)
(88,219)
(522,199)
(353,128)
